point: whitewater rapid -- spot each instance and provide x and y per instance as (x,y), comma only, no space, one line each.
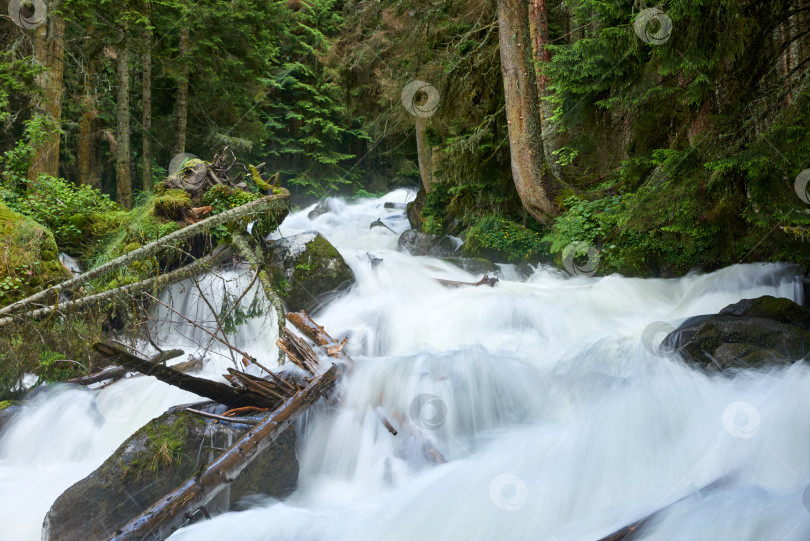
(556,420)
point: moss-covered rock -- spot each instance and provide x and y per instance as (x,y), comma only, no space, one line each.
(307,270)
(154,461)
(171,204)
(749,334)
(29,259)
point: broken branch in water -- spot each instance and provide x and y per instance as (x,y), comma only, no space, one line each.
(222,393)
(212,335)
(487,280)
(222,417)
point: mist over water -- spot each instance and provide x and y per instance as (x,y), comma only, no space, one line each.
(556,420)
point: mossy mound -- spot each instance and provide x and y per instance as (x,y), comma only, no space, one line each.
(29,259)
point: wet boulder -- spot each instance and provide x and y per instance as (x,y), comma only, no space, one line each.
(307,270)
(155,460)
(777,308)
(752,333)
(473,265)
(420,243)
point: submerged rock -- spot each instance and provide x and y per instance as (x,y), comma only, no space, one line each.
(152,462)
(751,333)
(307,270)
(8,410)
(419,243)
(473,265)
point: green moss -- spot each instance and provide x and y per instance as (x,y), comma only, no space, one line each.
(29,258)
(7,403)
(171,204)
(164,445)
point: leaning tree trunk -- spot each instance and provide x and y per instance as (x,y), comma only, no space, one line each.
(182,93)
(49,51)
(534,181)
(146,120)
(425,154)
(123,180)
(538,27)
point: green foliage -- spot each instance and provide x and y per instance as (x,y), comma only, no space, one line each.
(501,239)
(63,208)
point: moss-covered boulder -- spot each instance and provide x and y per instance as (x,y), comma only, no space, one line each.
(152,462)
(307,270)
(29,259)
(752,333)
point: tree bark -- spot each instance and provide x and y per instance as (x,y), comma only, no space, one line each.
(424,153)
(182,92)
(86,143)
(168,514)
(146,120)
(123,180)
(535,183)
(317,334)
(538,28)
(274,204)
(220,392)
(49,51)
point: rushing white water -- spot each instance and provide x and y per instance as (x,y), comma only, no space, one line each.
(555,419)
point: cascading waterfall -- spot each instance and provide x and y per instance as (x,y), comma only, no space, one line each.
(556,420)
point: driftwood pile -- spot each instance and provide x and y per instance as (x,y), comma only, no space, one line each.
(284,395)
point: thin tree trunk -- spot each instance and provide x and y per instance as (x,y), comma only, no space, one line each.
(146,120)
(425,154)
(182,93)
(538,28)
(123,179)
(49,51)
(84,154)
(535,183)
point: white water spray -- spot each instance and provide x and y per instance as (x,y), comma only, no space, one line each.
(555,420)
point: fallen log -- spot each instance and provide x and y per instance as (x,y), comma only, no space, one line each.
(117,372)
(151,284)
(487,280)
(167,515)
(271,203)
(222,417)
(222,393)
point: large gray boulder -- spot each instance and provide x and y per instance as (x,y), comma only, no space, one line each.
(307,270)
(420,243)
(152,462)
(749,334)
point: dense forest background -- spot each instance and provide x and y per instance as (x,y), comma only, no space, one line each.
(663,137)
